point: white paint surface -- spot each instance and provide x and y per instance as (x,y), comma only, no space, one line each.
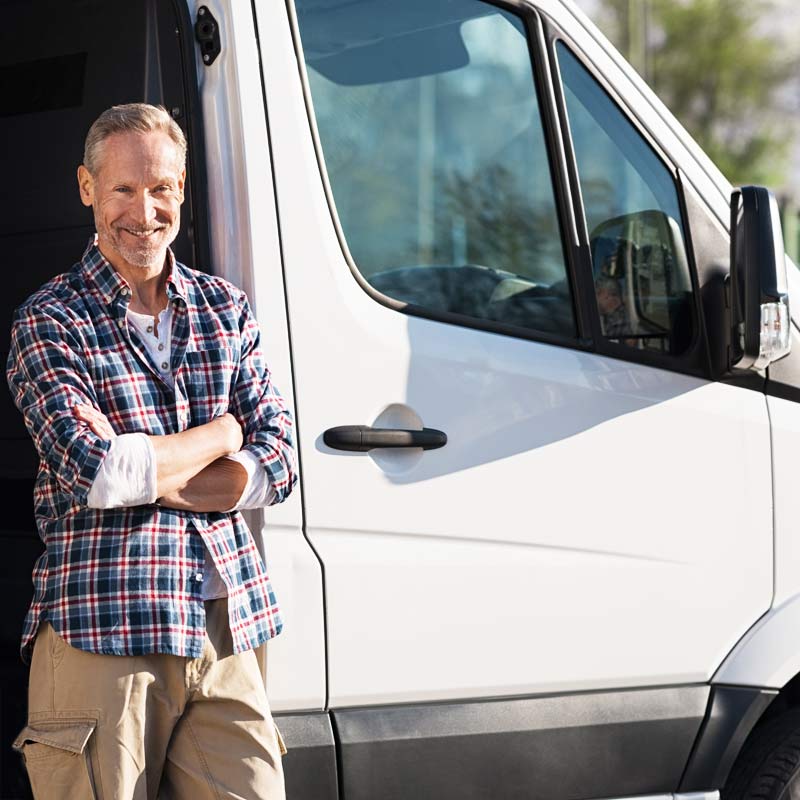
(577,532)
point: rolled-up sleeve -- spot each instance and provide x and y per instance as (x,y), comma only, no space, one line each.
(128,474)
(48,376)
(267,425)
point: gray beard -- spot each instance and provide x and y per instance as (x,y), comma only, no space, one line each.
(145,256)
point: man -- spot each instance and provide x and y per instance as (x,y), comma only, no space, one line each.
(144,387)
(613,315)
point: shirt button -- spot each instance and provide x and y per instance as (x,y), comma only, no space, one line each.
(149,328)
(164,365)
(161,347)
(199,577)
(121,323)
(126,290)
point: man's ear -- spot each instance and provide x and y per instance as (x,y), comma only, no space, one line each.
(85,185)
(181,182)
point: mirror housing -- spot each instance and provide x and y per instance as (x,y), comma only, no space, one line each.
(759,299)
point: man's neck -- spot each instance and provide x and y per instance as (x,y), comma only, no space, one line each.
(148,296)
(148,284)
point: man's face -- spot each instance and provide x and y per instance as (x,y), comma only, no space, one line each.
(136,195)
(607,300)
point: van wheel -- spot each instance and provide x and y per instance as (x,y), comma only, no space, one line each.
(768,768)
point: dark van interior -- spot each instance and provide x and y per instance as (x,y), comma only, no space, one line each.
(62,62)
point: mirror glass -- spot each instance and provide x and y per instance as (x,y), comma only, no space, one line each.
(642,281)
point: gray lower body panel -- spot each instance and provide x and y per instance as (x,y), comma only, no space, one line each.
(571,747)
(310,763)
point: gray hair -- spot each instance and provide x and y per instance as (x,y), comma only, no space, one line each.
(130,118)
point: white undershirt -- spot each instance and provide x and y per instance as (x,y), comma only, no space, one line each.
(127,476)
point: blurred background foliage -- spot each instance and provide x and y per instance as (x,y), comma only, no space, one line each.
(728,69)
(720,73)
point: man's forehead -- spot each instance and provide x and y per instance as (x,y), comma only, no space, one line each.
(153,154)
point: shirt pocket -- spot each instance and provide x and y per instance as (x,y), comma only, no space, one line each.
(208,378)
(58,757)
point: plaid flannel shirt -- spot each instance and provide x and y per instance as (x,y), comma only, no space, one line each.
(127,581)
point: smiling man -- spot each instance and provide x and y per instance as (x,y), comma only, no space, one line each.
(144,387)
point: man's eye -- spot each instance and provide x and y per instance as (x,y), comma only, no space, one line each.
(122,189)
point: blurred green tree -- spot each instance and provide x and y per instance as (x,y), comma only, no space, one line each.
(719,71)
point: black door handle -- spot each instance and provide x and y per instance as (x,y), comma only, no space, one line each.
(361,438)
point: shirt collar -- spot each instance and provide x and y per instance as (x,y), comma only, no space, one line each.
(99,271)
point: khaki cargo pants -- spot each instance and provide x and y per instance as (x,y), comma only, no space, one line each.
(106,727)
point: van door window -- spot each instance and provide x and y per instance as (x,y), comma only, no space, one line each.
(641,273)
(434,148)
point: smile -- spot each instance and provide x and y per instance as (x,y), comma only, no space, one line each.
(142,234)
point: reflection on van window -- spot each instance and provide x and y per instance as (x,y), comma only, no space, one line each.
(642,280)
(433,143)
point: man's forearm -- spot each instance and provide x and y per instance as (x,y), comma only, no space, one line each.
(182,456)
(191,472)
(217,487)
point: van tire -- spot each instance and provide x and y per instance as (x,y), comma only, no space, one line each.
(768,768)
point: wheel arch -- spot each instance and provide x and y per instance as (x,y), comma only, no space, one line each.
(757,682)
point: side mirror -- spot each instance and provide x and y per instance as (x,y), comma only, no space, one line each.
(760,321)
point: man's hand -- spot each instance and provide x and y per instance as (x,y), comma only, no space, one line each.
(231,431)
(95,419)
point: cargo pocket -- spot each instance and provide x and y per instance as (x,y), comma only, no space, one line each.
(56,753)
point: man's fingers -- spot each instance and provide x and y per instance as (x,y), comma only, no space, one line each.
(87,412)
(96,420)
(103,431)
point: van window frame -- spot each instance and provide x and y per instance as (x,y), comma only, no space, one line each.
(695,359)
(532,22)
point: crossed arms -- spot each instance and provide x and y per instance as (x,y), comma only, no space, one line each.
(192,473)
(52,385)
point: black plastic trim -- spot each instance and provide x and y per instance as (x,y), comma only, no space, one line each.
(712,256)
(562,747)
(309,766)
(583,270)
(560,160)
(206,32)
(732,713)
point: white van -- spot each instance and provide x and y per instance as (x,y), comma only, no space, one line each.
(545,540)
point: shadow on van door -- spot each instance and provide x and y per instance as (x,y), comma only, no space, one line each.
(496,396)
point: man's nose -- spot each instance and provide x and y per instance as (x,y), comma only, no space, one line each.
(144,208)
